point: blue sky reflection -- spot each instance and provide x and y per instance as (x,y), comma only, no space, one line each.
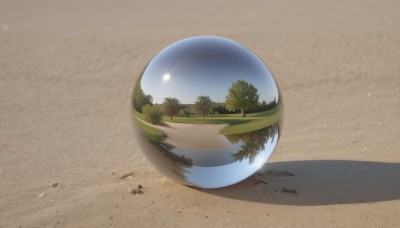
(228,174)
(191,69)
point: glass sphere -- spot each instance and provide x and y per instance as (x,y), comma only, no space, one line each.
(207,112)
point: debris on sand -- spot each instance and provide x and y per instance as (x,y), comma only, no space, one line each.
(288,190)
(127,175)
(41,195)
(138,190)
(55,185)
(260,182)
(278,173)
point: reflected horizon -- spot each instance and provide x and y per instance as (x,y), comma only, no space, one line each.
(232,62)
(208,112)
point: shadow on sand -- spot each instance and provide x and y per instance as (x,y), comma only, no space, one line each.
(319,182)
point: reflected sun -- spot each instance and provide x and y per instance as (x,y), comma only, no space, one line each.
(166,77)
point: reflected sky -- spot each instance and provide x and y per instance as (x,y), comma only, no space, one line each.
(190,143)
(205,66)
(224,175)
(209,158)
(214,169)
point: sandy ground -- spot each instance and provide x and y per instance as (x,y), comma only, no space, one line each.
(67,69)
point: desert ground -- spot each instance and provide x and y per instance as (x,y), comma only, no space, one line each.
(69,157)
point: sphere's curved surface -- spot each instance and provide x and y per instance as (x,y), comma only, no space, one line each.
(207,112)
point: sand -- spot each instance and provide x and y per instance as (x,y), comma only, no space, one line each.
(67,69)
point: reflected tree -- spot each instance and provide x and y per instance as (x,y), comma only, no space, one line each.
(167,150)
(253,142)
(203,105)
(161,153)
(243,96)
(265,106)
(185,112)
(152,114)
(140,99)
(172,163)
(171,106)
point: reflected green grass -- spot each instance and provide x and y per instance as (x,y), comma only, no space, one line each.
(138,115)
(253,125)
(237,123)
(208,120)
(154,134)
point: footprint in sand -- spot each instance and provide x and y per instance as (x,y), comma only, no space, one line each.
(278,173)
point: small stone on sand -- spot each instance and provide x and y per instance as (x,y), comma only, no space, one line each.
(287,190)
(137,192)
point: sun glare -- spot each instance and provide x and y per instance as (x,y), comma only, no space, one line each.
(166,77)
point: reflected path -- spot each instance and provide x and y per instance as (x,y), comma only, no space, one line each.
(208,111)
(249,161)
(204,137)
(253,142)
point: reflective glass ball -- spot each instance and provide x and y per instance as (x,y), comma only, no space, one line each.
(207,112)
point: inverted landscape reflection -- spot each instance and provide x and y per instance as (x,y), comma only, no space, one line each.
(207,111)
